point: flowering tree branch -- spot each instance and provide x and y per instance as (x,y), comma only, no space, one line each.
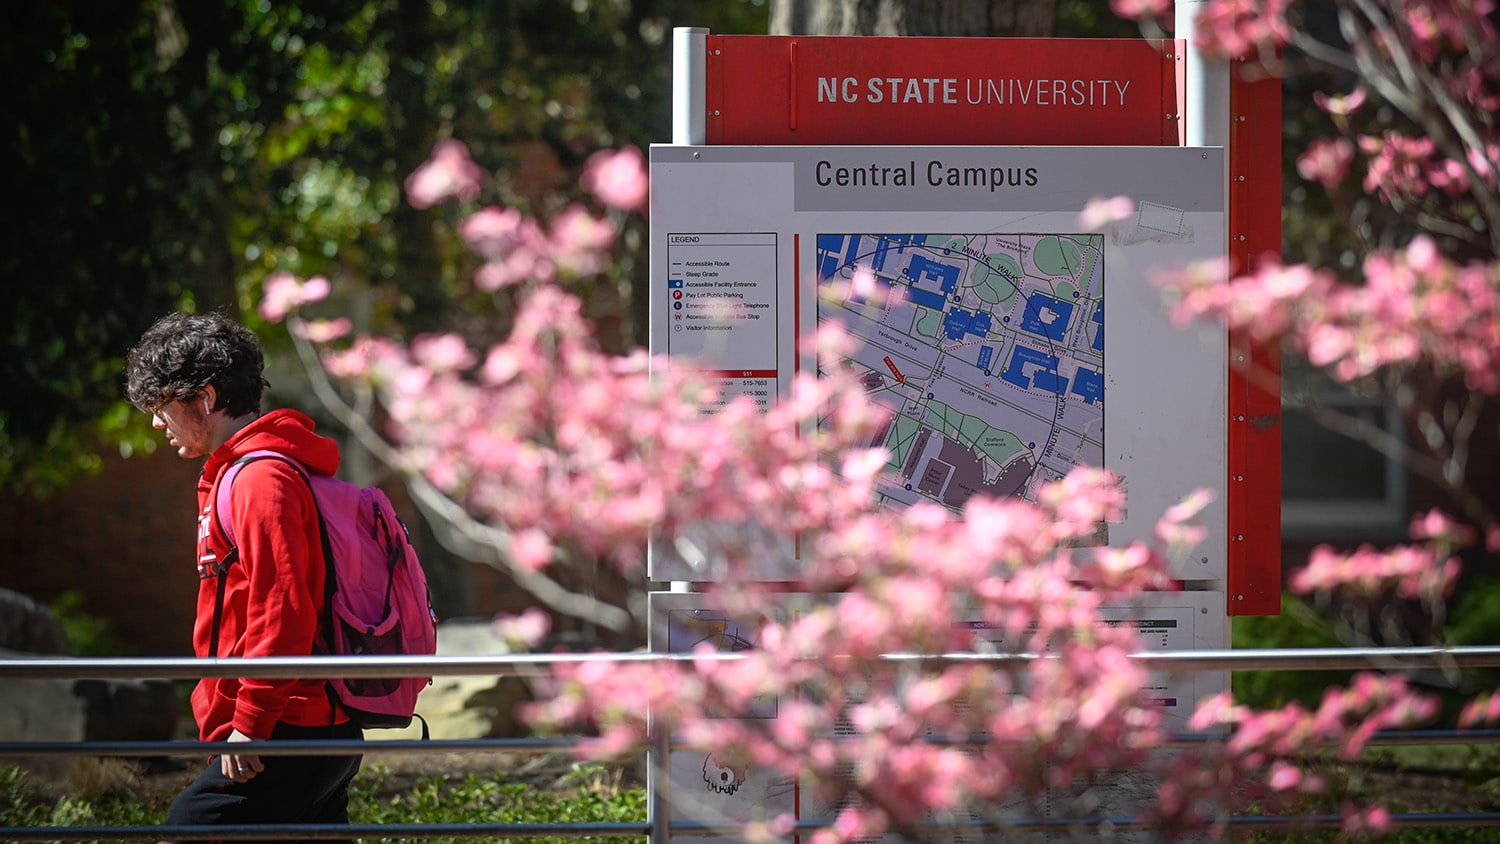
(1413,164)
(455,527)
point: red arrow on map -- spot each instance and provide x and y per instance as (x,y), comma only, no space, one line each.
(891,365)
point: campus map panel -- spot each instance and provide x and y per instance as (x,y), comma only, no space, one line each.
(975,289)
(987,349)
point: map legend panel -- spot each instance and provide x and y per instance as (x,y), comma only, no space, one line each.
(723,309)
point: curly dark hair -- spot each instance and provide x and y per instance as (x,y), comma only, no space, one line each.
(183,353)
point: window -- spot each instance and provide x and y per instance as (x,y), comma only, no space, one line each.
(1336,486)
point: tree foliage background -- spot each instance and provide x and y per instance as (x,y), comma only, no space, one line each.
(167,154)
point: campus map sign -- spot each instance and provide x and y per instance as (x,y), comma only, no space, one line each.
(1008,341)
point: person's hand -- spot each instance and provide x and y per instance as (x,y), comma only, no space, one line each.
(240,767)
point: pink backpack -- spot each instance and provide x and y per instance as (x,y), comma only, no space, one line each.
(376,598)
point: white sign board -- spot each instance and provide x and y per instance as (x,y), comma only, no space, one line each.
(985,336)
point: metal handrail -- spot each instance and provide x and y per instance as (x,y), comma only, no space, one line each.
(539,665)
(273,747)
(314,747)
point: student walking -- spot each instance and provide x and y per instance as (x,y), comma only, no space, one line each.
(200,376)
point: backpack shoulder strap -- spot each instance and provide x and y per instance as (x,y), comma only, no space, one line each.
(223,488)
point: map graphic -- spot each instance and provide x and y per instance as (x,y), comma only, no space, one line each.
(987,349)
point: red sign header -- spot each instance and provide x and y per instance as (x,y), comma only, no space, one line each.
(902,90)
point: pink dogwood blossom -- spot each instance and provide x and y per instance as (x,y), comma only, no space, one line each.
(492,232)
(441,353)
(579,242)
(1101,211)
(1411,571)
(1326,161)
(1242,27)
(617,178)
(1341,106)
(525,630)
(324,330)
(450,173)
(284,293)
(1145,10)
(1414,307)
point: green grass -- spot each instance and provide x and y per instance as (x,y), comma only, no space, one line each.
(594,794)
(587,794)
(1417,779)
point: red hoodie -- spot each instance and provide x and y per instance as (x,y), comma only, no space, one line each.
(273,596)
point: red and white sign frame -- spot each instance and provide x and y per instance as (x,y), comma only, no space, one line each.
(809,90)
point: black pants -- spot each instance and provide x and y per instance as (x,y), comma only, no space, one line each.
(291,790)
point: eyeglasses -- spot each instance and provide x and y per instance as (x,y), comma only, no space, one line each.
(162,406)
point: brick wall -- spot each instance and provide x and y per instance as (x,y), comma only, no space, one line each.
(123,539)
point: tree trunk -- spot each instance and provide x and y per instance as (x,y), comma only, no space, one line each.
(1017,18)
